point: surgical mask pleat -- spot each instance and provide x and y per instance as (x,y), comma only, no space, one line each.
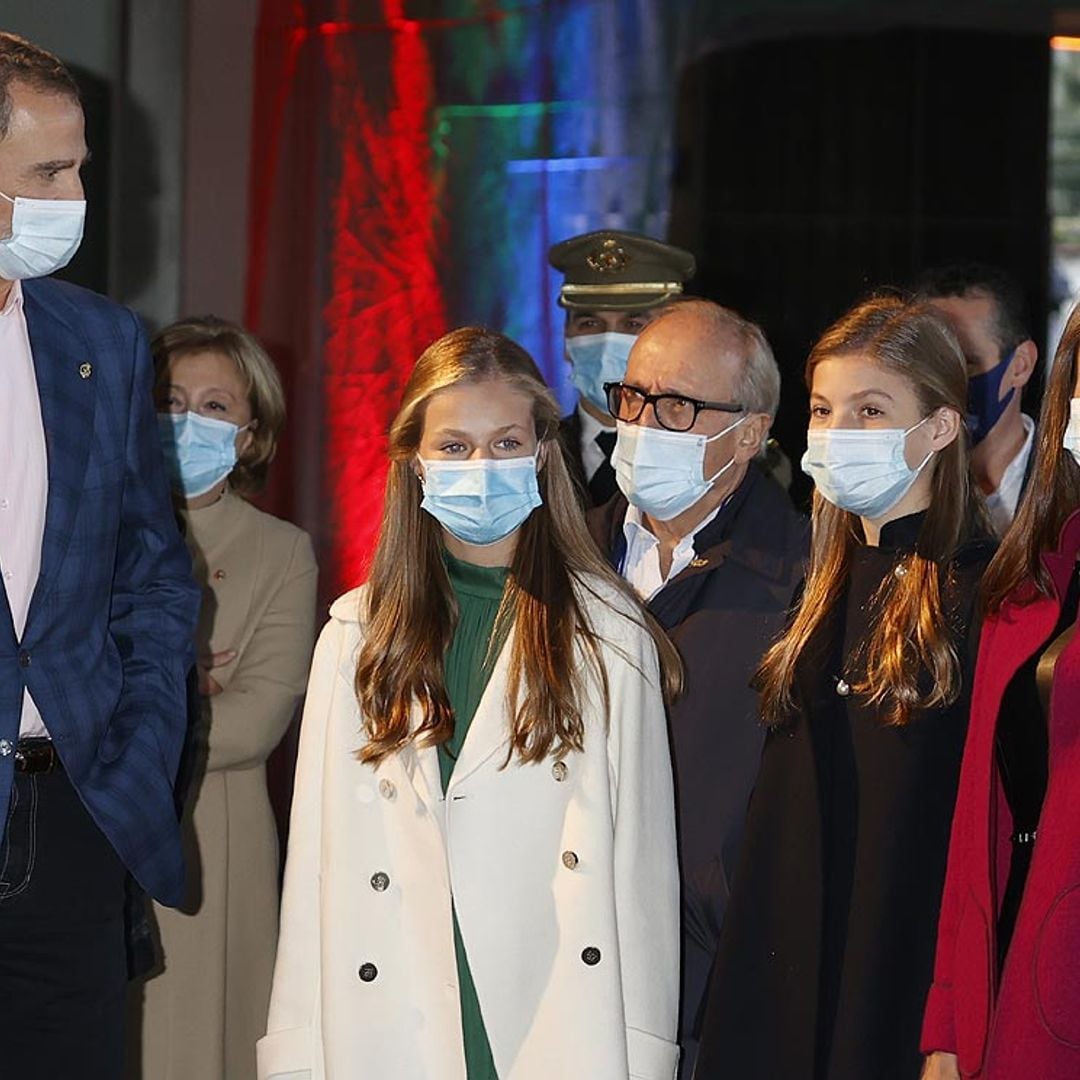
(480,502)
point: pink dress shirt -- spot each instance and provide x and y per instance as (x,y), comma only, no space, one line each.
(24,477)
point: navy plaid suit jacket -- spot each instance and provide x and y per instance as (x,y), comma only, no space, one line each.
(107,644)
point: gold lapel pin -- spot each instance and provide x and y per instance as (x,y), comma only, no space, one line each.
(86,370)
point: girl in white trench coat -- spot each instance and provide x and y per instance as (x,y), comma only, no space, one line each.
(548,852)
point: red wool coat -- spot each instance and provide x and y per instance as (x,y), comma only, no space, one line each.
(1029,1025)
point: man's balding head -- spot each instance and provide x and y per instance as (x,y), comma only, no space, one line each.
(708,352)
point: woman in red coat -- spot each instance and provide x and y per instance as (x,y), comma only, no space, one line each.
(1005,1002)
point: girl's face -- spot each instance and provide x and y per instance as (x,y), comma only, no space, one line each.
(857,392)
(472,421)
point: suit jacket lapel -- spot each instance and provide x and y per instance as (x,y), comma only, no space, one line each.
(67,392)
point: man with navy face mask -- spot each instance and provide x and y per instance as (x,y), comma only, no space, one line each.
(716,549)
(98,608)
(615,283)
(986,310)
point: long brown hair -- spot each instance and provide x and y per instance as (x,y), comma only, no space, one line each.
(410,611)
(1052,492)
(910,634)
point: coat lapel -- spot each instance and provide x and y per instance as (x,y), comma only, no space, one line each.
(421,767)
(489,731)
(62,366)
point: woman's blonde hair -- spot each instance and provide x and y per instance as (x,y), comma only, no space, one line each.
(410,611)
(208,333)
(909,636)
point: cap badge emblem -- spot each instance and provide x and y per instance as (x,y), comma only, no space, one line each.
(608,258)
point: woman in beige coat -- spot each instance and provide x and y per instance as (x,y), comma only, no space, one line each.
(221,409)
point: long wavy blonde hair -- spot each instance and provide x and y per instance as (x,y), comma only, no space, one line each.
(910,637)
(410,612)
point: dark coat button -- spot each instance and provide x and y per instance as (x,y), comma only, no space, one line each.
(591,955)
(24,658)
(559,770)
(380,881)
(368,972)
(570,860)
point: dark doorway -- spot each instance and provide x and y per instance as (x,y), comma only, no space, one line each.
(813,170)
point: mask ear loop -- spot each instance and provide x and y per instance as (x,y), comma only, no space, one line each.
(731,427)
(932,452)
(713,438)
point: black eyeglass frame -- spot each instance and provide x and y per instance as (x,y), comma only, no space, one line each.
(652,399)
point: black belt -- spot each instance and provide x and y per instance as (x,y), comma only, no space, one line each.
(35,756)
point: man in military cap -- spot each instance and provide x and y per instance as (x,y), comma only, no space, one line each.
(615,282)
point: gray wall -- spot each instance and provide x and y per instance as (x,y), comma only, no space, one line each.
(221,36)
(178,90)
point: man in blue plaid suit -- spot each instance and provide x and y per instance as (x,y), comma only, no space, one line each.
(98,612)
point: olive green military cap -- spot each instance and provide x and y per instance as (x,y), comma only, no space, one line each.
(619,271)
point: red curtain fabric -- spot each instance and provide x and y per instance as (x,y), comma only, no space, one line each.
(342,282)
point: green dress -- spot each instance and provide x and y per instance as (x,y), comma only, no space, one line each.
(468,666)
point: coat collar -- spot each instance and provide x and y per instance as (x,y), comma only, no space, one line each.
(488,736)
(1060,562)
(67,391)
(744,532)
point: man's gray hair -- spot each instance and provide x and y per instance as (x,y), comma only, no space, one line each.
(757,385)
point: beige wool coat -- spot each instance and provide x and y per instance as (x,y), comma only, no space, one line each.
(204,1012)
(562,873)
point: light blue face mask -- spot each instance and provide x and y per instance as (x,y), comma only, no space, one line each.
(598,359)
(861,471)
(663,472)
(480,502)
(199,451)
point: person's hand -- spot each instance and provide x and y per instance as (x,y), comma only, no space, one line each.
(208,685)
(941,1066)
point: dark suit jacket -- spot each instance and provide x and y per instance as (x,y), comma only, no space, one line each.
(721,612)
(107,644)
(570,438)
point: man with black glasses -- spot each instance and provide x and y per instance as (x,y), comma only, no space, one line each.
(717,551)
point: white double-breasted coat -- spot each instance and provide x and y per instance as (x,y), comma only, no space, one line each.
(563,875)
